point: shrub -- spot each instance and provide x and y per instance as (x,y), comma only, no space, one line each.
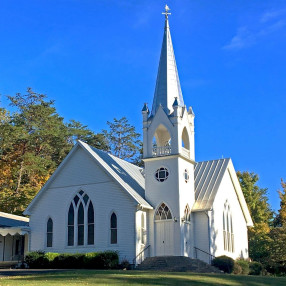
(224,263)
(244,264)
(69,261)
(255,268)
(36,259)
(51,256)
(90,260)
(94,260)
(236,268)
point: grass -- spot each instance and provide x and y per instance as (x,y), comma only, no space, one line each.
(94,277)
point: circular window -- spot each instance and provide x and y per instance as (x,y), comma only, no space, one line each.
(186,175)
(162,174)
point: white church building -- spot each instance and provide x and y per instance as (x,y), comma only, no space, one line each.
(174,206)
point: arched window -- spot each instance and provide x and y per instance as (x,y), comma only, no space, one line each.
(161,142)
(228,236)
(81,220)
(113,229)
(187,214)
(163,213)
(185,139)
(49,232)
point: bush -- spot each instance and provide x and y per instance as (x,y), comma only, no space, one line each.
(244,264)
(224,263)
(255,268)
(236,268)
(68,261)
(36,259)
(93,260)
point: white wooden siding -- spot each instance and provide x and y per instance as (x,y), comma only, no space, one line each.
(83,173)
(226,192)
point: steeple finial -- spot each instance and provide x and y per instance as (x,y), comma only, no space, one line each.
(166,12)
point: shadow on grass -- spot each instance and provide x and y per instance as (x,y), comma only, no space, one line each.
(94,277)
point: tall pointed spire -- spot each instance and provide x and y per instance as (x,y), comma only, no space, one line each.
(168,84)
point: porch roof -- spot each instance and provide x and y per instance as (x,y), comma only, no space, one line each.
(22,230)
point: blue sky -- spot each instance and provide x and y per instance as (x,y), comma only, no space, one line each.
(98,60)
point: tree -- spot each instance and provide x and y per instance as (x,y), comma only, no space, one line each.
(122,138)
(277,259)
(33,141)
(280,219)
(262,216)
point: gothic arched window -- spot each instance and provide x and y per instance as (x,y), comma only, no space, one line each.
(187,214)
(81,220)
(228,236)
(49,232)
(113,229)
(163,212)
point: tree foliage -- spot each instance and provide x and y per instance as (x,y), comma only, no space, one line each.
(123,139)
(261,213)
(33,141)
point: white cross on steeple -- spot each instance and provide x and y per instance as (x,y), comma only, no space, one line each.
(166,12)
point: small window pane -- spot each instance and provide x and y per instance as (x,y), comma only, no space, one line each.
(81,193)
(80,237)
(70,235)
(76,199)
(113,221)
(49,239)
(50,225)
(90,213)
(80,218)
(85,198)
(90,234)
(71,215)
(113,236)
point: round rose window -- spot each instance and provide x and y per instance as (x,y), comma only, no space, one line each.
(162,174)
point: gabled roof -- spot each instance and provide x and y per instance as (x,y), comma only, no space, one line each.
(167,84)
(129,176)
(208,177)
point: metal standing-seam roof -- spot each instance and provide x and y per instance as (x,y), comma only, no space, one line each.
(208,175)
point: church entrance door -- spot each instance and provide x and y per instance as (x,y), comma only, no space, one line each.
(164,231)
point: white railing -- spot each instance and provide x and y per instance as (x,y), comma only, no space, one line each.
(161,151)
(185,152)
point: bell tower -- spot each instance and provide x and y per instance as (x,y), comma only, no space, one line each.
(169,156)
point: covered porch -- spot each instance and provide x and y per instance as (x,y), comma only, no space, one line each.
(14,239)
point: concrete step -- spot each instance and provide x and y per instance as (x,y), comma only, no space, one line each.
(176,263)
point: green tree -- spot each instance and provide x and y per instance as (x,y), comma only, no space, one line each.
(280,219)
(33,141)
(123,140)
(262,216)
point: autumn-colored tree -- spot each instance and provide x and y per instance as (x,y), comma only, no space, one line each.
(33,141)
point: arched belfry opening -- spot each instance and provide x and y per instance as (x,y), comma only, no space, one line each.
(185,139)
(161,141)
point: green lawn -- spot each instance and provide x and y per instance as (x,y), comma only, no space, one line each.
(93,277)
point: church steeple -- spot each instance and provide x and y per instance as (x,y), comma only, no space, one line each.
(168,84)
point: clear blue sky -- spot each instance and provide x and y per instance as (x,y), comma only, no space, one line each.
(99,60)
